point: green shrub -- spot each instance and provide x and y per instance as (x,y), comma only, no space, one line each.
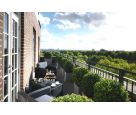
(78,74)
(88,83)
(109,91)
(72,98)
(68,66)
(47,54)
(65,63)
(60,60)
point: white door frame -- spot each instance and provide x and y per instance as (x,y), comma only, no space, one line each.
(12,16)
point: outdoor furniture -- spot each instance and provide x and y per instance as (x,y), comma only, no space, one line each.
(37,93)
(51,76)
(42,64)
(47,93)
(44,98)
(40,72)
(56,90)
(45,82)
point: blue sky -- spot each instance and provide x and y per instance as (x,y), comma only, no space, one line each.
(88,30)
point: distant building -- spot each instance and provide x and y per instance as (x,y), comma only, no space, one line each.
(19,52)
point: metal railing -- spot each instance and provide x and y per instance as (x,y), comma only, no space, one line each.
(128,83)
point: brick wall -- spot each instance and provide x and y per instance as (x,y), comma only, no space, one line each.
(1,38)
(28,23)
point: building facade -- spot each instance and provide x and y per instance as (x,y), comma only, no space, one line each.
(19,52)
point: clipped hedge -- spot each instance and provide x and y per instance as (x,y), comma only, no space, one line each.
(78,73)
(109,91)
(72,98)
(47,54)
(88,83)
(68,66)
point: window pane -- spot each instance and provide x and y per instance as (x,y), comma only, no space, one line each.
(6,18)
(5,65)
(15,29)
(6,100)
(15,45)
(16,92)
(13,95)
(16,77)
(5,44)
(5,86)
(12,79)
(13,62)
(34,44)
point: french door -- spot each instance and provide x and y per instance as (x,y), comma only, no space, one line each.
(10,57)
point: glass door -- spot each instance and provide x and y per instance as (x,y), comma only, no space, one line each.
(6,52)
(14,57)
(10,57)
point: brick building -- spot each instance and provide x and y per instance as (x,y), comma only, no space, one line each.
(19,52)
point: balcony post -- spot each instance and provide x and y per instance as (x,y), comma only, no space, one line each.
(121,76)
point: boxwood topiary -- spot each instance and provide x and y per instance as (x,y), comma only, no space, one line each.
(109,91)
(88,83)
(72,98)
(78,73)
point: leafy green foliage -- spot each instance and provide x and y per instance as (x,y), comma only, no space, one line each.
(88,83)
(72,98)
(109,91)
(68,66)
(78,73)
(47,54)
(118,59)
(94,59)
(118,63)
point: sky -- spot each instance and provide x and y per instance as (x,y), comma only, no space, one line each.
(88,30)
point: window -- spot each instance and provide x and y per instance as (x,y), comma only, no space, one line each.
(34,45)
(5,65)
(6,33)
(5,86)
(38,48)
(6,22)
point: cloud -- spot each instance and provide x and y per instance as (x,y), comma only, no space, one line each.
(66,24)
(44,20)
(45,34)
(117,33)
(79,18)
(69,41)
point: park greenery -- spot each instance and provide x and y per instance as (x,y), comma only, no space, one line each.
(118,59)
